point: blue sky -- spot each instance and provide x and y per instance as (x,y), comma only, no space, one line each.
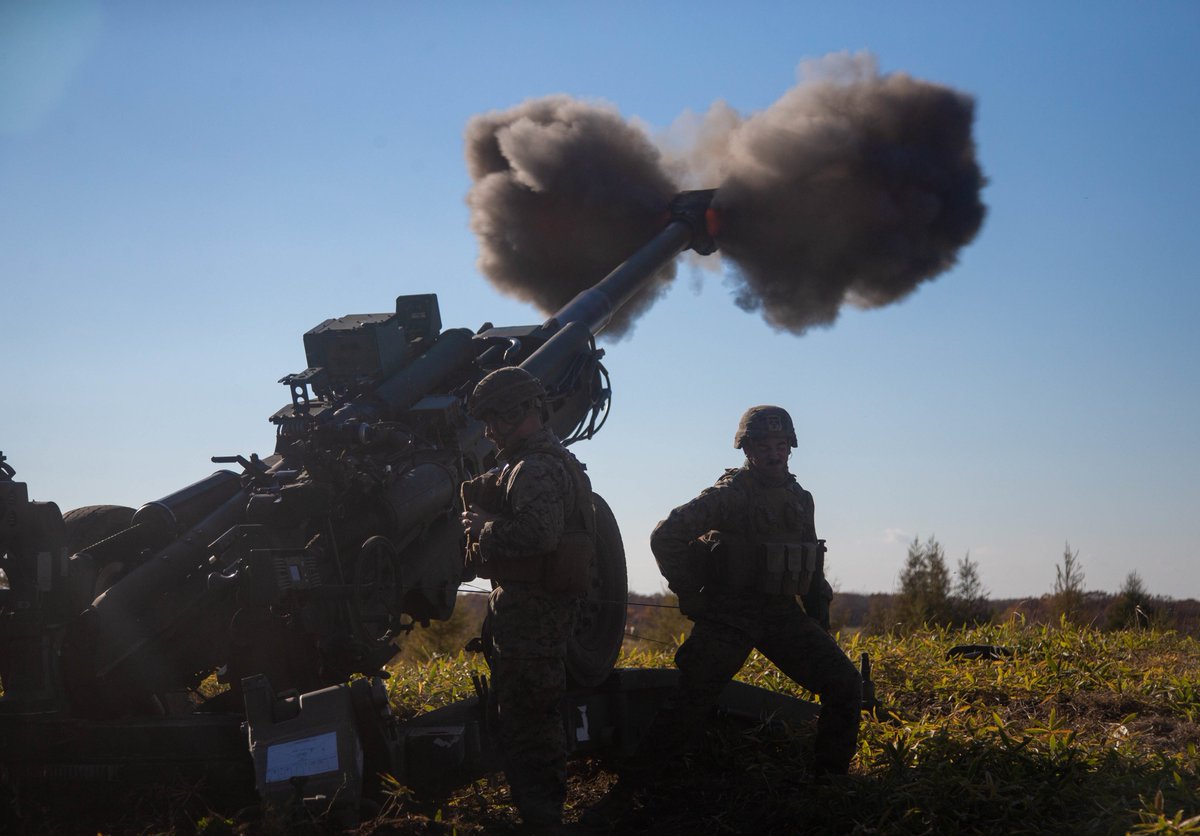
(186,188)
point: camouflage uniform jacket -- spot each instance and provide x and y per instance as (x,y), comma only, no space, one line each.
(539,498)
(740,503)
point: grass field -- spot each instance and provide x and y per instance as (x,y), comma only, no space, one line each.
(1076,732)
(1079,731)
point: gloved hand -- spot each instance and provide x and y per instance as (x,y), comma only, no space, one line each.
(692,603)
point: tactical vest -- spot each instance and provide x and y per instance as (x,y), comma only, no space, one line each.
(564,571)
(775,552)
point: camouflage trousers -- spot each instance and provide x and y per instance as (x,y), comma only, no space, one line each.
(715,651)
(529,633)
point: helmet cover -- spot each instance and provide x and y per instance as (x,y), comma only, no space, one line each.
(764,422)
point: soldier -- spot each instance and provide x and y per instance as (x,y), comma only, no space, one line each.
(737,557)
(534,538)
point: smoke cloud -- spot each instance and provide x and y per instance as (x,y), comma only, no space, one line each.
(853,188)
(564,191)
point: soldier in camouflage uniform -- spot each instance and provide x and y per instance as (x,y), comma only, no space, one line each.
(521,540)
(737,557)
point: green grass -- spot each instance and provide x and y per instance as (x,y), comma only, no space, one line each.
(1079,731)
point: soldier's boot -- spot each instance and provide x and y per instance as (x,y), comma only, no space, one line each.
(837,727)
(539,799)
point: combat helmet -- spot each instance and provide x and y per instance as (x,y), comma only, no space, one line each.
(504,391)
(764,422)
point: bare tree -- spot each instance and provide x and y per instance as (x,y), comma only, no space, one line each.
(1068,586)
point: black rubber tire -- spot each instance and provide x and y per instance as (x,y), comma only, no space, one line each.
(90,524)
(600,628)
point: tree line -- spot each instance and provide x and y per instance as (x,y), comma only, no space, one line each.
(929,593)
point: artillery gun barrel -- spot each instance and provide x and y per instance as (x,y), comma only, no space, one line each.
(691,225)
(594,307)
(184,508)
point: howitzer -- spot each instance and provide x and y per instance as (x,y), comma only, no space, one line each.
(284,579)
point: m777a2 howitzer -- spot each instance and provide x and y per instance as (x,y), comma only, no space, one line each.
(293,580)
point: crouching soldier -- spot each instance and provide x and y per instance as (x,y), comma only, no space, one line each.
(738,556)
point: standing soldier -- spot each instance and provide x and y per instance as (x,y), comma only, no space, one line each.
(530,529)
(737,556)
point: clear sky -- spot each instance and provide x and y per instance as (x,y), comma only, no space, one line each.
(185,188)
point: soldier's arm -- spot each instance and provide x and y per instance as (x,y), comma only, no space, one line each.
(536,517)
(673,538)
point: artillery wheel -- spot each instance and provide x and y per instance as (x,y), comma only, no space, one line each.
(600,626)
(90,524)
